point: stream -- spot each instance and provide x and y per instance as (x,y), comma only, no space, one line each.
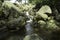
(29,30)
(28,26)
(27,34)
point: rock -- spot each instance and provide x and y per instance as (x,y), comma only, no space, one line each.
(42,23)
(32,37)
(44,9)
(52,25)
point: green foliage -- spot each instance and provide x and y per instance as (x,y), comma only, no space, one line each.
(13,17)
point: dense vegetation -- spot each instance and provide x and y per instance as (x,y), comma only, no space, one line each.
(42,17)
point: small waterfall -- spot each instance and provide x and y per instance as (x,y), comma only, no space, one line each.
(28,26)
(29,30)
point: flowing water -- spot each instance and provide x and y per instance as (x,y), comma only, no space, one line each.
(30,35)
(28,26)
(29,29)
